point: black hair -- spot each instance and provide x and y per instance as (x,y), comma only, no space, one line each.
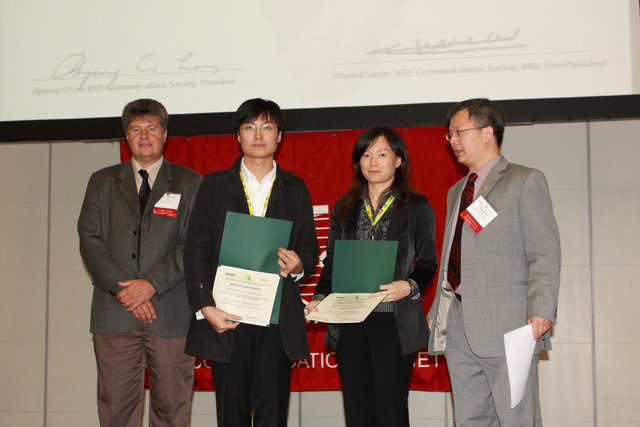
(359,182)
(482,113)
(254,108)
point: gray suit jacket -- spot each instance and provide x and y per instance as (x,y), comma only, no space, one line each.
(108,228)
(510,271)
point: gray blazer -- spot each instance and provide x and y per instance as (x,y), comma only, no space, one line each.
(510,271)
(108,228)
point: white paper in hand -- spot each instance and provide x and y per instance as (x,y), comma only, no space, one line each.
(519,346)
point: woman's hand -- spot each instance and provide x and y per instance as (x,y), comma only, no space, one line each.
(394,291)
(312,307)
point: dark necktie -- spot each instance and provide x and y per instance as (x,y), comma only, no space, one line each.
(453,268)
(145,190)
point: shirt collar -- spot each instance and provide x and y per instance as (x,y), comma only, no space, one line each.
(365,196)
(152,170)
(484,170)
(248,176)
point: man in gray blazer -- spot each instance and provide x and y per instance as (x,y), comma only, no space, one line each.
(497,279)
(132,228)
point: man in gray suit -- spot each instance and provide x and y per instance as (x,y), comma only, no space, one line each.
(495,279)
(132,229)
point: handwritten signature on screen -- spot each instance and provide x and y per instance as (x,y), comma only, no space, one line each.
(74,66)
(492,41)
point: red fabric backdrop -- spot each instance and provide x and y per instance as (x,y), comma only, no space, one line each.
(323,160)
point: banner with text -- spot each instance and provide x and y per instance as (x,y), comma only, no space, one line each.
(323,161)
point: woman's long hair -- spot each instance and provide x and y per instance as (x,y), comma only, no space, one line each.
(359,182)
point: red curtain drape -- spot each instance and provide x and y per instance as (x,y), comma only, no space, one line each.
(323,160)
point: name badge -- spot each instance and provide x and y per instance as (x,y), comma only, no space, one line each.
(479,214)
(167,205)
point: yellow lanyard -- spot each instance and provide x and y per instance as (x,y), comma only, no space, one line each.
(246,193)
(380,213)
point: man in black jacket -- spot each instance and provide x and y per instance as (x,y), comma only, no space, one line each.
(250,362)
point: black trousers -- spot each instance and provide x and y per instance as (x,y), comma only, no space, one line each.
(375,375)
(258,378)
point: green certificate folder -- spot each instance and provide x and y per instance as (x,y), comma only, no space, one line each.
(361,266)
(252,242)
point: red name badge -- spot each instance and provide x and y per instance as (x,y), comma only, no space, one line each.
(479,214)
(165,212)
(167,205)
(469,219)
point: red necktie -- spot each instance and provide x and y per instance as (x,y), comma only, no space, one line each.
(453,269)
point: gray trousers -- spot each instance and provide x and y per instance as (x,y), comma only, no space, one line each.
(121,359)
(481,392)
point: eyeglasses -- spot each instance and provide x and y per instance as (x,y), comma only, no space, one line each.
(263,128)
(458,133)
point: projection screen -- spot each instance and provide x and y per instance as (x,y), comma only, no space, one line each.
(74,63)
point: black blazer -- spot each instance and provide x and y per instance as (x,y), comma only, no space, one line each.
(220,193)
(413,226)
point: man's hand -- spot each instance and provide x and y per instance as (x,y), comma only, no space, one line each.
(429,323)
(539,325)
(220,319)
(394,291)
(145,312)
(289,262)
(135,293)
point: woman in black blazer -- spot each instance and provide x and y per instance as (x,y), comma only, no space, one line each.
(375,358)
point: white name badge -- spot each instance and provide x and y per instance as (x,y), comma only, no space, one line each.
(479,214)
(167,205)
